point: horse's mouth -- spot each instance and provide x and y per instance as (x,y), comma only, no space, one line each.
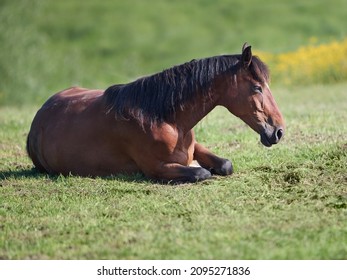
(274,138)
(264,140)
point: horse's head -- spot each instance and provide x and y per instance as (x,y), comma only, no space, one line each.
(249,97)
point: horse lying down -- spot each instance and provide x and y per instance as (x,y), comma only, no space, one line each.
(147,125)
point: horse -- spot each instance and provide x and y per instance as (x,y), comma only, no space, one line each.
(146,126)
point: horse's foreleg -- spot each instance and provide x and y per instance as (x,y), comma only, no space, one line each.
(176,173)
(211,162)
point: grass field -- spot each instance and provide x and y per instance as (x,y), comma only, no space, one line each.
(286,202)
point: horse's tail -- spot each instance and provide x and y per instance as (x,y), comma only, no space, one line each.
(27,146)
(32,156)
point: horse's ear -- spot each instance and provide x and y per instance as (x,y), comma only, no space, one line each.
(245,45)
(246,57)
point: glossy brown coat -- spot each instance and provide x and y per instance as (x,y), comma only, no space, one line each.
(77,132)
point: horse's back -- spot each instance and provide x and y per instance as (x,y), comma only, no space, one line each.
(76,96)
(60,106)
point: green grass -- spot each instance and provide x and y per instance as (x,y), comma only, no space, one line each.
(287,202)
(49,45)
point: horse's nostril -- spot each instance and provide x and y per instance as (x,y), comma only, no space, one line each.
(279,134)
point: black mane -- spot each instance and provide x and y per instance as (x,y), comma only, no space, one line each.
(156,98)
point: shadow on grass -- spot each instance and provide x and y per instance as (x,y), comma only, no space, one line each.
(138,178)
(33,173)
(20,174)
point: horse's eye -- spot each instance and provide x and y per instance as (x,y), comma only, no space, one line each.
(258,89)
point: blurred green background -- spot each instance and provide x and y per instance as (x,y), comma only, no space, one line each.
(49,45)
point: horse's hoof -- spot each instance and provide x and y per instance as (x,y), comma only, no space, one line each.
(201,174)
(225,169)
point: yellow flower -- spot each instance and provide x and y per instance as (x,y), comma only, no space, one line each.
(325,63)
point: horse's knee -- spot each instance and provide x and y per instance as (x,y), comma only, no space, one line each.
(210,161)
(176,173)
(224,169)
(199,174)
(191,175)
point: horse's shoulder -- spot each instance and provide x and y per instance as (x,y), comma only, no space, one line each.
(171,135)
(164,132)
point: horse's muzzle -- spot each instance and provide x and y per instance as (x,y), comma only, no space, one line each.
(269,139)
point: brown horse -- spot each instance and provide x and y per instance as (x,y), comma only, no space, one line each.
(146,126)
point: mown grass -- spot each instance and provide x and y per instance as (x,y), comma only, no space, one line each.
(287,202)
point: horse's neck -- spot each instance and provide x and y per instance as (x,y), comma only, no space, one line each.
(194,112)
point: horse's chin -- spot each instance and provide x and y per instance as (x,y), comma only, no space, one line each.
(264,140)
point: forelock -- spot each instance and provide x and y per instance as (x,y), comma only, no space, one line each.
(259,70)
